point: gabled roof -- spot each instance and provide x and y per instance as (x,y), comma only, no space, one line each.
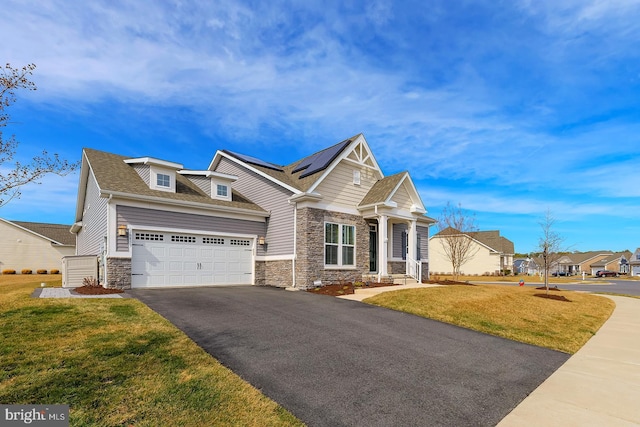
(118,178)
(382,190)
(581,257)
(302,175)
(491,239)
(611,258)
(57,234)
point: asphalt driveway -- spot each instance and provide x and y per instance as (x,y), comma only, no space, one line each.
(333,362)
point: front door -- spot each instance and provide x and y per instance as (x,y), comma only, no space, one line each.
(373,248)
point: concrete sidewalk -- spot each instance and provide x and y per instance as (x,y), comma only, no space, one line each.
(597,386)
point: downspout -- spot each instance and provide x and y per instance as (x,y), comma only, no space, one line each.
(104,255)
(295,244)
(375,210)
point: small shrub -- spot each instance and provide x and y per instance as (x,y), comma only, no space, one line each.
(54,271)
(41,271)
(26,271)
(90,282)
(8,271)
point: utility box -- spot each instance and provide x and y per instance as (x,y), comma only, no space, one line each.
(75,268)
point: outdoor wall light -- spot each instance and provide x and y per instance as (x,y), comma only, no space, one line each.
(261,240)
(122,230)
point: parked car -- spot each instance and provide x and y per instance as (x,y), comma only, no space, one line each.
(606,273)
(559,273)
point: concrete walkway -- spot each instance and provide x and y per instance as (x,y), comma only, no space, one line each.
(361,294)
(597,386)
(68,293)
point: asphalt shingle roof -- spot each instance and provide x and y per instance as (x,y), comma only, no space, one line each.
(382,189)
(57,232)
(489,238)
(114,175)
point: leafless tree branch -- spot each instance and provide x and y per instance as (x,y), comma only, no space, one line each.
(455,224)
(15,176)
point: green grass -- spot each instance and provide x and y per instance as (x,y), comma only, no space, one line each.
(510,312)
(116,363)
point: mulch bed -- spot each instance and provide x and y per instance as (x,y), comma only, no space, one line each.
(450,282)
(348,288)
(96,290)
(338,289)
(551,296)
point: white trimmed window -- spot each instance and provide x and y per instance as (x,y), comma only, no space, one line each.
(163,180)
(222,190)
(339,245)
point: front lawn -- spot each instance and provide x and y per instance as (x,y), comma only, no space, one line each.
(116,362)
(510,312)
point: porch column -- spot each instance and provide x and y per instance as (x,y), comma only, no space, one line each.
(412,239)
(383,240)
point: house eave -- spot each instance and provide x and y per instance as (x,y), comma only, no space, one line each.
(305,197)
(171,202)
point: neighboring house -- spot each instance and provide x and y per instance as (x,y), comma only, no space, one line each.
(618,262)
(526,266)
(329,217)
(578,262)
(492,253)
(34,245)
(634,263)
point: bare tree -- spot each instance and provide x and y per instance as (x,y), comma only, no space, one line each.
(549,246)
(455,226)
(18,174)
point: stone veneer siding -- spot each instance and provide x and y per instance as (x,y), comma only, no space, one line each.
(259,278)
(425,271)
(397,267)
(274,273)
(310,246)
(118,273)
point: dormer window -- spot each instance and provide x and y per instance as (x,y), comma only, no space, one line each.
(222,191)
(157,174)
(163,180)
(217,185)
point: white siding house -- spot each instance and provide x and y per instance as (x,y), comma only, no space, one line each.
(34,246)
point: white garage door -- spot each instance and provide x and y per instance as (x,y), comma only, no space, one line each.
(174,259)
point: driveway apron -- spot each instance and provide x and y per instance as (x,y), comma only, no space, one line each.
(334,362)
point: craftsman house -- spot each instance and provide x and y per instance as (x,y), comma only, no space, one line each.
(331,216)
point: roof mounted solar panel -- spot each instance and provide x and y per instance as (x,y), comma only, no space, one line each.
(255,161)
(320,160)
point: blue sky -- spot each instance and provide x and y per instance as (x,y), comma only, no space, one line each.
(509,108)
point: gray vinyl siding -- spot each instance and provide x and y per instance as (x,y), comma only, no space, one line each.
(144,171)
(94,228)
(158,218)
(398,230)
(271,197)
(202,182)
